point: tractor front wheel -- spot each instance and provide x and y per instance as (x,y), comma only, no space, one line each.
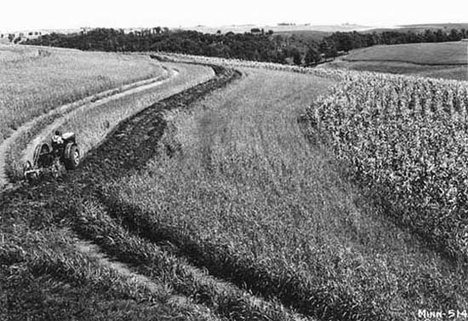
(29,174)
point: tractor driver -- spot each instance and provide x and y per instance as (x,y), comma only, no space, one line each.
(57,140)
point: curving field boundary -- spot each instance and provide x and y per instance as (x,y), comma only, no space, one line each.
(11,142)
(127,148)
(19,147)
(45,133)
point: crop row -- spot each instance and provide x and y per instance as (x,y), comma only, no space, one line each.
(93,222)
(406,140)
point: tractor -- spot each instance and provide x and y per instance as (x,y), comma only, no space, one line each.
(61,153)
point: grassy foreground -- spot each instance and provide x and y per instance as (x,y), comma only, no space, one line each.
(35,80)
(248,198)
(44,277)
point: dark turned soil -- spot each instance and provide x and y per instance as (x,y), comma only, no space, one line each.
(128,148)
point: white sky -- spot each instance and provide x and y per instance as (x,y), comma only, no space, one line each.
(18,15)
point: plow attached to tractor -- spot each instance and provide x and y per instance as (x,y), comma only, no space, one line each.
(53,158)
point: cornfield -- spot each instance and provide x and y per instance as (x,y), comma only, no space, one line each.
(406,140)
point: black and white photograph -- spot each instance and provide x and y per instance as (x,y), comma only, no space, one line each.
(233,160)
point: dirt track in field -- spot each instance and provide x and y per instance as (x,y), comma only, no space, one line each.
(99,98)
(127,148)
(46,132)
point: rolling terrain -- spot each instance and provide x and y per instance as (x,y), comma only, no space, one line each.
(46,258)
(282,29)
(446,60)
(89,112)
(238,197)
(34,80)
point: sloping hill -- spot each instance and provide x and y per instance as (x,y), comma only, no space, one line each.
(447,53)
(446,60)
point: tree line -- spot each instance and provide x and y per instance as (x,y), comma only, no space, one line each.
(256,45)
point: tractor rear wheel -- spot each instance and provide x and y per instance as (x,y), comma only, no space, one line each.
(72,157)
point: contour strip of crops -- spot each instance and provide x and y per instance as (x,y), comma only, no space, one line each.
(406,139)
(32,209)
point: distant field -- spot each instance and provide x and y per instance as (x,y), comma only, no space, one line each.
(403,68)
(302,28)
(34,80)
(436,26)
(437,60)
(448,53)
(14,53)
(420,27)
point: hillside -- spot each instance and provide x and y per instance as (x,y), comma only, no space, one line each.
(231,200)
(437,60)
(435,26)
(447,53)
(34,80)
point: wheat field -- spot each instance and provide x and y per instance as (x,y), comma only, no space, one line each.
(35,80)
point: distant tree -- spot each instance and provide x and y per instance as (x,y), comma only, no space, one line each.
(328,48)
(412,37)
(312,56)
(296,55)
(429,36)
(455,35)
(440,36)
(344,41)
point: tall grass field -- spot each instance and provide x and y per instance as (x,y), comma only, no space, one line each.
(36,80)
